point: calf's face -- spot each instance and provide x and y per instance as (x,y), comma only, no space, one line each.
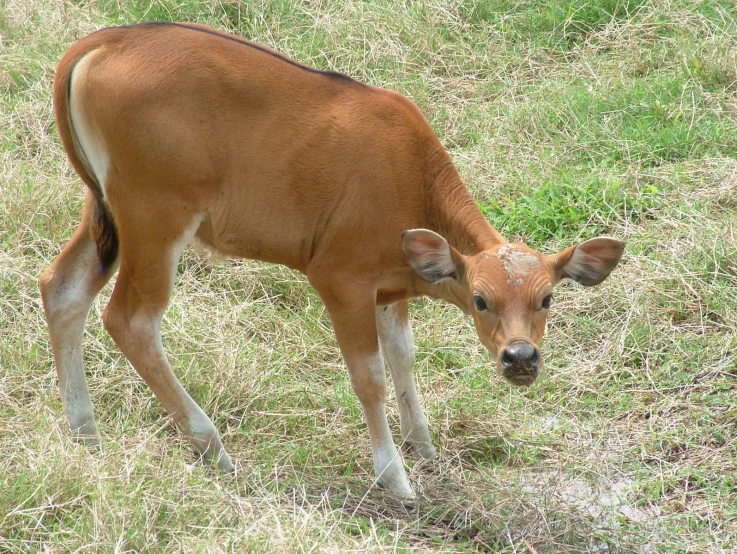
(508,290)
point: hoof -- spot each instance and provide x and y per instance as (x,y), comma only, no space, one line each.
(424,451)
(224,464)
(408,504)
(401,490)
(406,498)
(92,442)
(220,459)
(85,432)
(209,447)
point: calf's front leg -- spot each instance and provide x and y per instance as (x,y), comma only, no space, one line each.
(354,320)
(397,345)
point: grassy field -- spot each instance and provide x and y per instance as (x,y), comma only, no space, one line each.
(567,119)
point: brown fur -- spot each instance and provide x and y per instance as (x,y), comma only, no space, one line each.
(264,158)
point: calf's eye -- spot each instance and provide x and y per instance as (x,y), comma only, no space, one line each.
(480,303)
(546,301)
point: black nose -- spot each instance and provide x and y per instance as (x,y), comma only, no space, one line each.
(520,356)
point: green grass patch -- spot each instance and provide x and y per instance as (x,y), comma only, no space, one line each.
(569,208)
(559,24)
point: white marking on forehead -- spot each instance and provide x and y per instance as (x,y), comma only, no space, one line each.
(517,263)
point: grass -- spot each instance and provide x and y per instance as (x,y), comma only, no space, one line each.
(568,119)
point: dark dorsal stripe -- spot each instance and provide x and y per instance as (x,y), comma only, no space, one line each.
(333,74)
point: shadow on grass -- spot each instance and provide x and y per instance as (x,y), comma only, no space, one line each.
(457,514)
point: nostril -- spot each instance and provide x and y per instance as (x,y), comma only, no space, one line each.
(520,354)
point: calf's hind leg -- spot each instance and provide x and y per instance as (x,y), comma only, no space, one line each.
(68,288)
(149,256)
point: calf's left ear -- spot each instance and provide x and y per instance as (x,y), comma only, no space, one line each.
(590,262)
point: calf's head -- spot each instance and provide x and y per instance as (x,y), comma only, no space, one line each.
(508,289)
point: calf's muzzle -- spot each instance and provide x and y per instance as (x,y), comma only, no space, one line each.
(520,363)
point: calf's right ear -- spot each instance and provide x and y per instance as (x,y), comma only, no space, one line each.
(430,256)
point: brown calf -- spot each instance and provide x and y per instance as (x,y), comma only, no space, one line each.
(180,131)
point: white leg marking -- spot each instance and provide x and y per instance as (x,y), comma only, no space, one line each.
(388,464)
(68,289)
(397,345)
(90,142)
(67,316)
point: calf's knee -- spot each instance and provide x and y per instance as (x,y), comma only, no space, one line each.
(369,383)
